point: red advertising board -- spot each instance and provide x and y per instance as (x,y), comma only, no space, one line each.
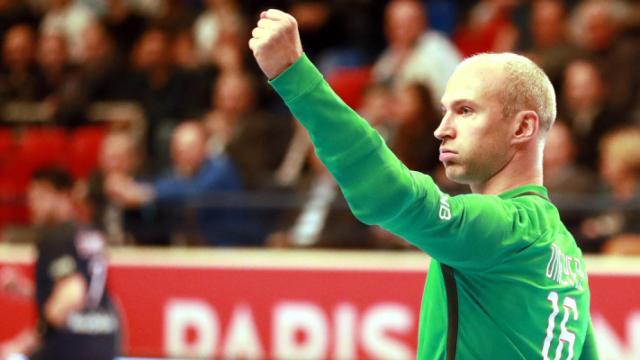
(300,305)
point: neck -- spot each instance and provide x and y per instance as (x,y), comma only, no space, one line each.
(524,168)
(555,169)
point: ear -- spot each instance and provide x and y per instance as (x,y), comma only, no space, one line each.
(525,127)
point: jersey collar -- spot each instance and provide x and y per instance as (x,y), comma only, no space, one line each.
(521,190)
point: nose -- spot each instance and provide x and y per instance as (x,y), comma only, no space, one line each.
(445,130)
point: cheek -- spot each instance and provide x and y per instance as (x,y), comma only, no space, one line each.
(478,140)
(485,148)
(40,206)
(497,148)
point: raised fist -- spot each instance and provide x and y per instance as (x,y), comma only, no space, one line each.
(275,42)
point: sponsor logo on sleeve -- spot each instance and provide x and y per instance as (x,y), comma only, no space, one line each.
(445,210)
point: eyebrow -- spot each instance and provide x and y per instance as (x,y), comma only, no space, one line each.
(459,102)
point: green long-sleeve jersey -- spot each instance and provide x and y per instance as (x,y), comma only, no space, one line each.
(522,290)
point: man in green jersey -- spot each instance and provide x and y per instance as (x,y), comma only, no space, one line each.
(507,280)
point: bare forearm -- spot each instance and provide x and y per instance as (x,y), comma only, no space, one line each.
(68,295)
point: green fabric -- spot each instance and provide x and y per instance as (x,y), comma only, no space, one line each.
(503,248)
(590,350)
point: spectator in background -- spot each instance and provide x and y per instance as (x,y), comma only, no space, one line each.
(620,162)
(152,58)
(321,29)
(220,19)
(255,140)
(562,175)
(598,32)
(183,52)
(228,56)
(69,18)
(414,53)
(323,218)
(77,317)
(18,74)
(124,24)
(14,12)
(566,180)
(417,119)
(550,48)
(488,28)
(584,107)
(163,91)
(99,77)
(377,108)
(53,62)
(620,169)
(406,119)
(196,179)
(122,155)
(56,72)
(171,15)
(101,65)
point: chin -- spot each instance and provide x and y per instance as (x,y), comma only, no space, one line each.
(456,174)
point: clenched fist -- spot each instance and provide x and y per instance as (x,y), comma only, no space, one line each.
(275,42)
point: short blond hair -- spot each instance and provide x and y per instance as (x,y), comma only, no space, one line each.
(525,87)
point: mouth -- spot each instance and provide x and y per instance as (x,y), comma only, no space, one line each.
(446,155)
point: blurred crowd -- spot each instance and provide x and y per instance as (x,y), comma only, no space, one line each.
(174,138)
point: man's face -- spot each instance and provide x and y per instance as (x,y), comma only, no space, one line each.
(95,45)
(598,29)
(18,48)
(152,50)
(43,201)
(559,147)
(547,23)
(475,137)
(583,87)
(612,169)
(188,150)
(118,155)
(233,94)
(404,23)
(52,52)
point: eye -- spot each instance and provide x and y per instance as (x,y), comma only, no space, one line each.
(465,110)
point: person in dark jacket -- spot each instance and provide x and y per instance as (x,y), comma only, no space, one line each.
(77,319)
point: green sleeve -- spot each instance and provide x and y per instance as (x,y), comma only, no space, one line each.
(589,350)
(381,190)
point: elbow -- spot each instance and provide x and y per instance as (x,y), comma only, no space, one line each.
(369,216)
(376,213)
(382,206)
